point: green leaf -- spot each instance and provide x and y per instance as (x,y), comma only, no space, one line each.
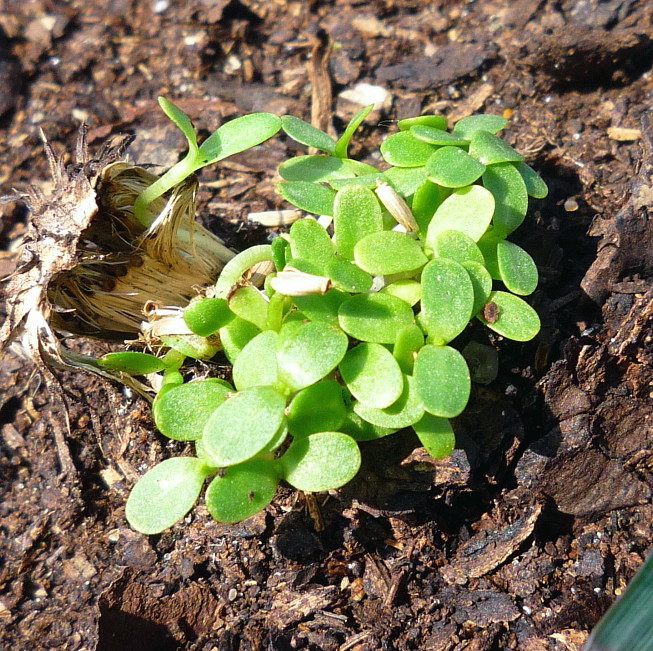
(323,168)
(237,135)
(318,408)
(348,277)
(192,345)
(311,197)
(407,410)
(466,127)
(468,210)
(488,246)
(366,180)
(307,134)
(235,336)
(447,299)
(442,380)
(313,351)
(436,435)
(432,121)
(165,493)
(182,121)
(361,430)
(489,149)
(243,425)
(456,246)
(483,362)
(280,252)
(427,199)
(511,198)
(132,363)
(256,364)
(374,318)
(409,340)
(405,180)
(516,319)
(404,150)
(343,142)
(321,461)
(517,268)
(207,315)
(436,136)
(250,304)
(181,412)
(324,308)
(242,491)
(481,282)
(356,213)
(310,241)
(388,252)
(535,186)
(372,375)
(452,167)
(408,290)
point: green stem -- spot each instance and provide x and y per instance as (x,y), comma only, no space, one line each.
(238,265)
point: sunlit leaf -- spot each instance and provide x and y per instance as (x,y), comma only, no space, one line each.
(408,290)
(517,268)
(205,316)
(388,252)
(453,167)
(374,317)
(468,210)
(372,375)
(322,307)
(515,319)
(181,120)
(256,364)
(427,199)
(432,121)
(466,127)
(436,136)
(307,134)
(343,142)
(311,197)
(489,150)
(165,493)
(132,363)
(361,430)
(309,240)
(511,198)
(436,435)
(405,180)
(322,168)
(447,299)
(318,408)
(481,282)
(235,336)
(442,380)
(348,277)
(409,340)
(250,304)
(407,410)
(242,491)
(456,246)
(181,412)
(356,213)
(321,461)
(535,186)
(404,150)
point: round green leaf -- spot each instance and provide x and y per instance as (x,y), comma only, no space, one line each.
(481,282)
(409,340)
(308,354)
(309,240)
(442,380)
(256,364)
(361,430)
(372,375)
(311,197)
(511,198)
(356,213)
(348,277)
(535,186)
(318,408)
(181,411)
(517,268)
(243,425)
(242,491)
(323,168)
(427,199)
(456,246)
(388,252)
(132,363)
(235,336)
(165,493)
(515,320)
(447,299)
(436,435)
(307,134)
(489,149)
(321,307)
(404,150)
(437,136)
(468,210)
(405,180)
(321,461)
(466,127)
(407,410)
(205,316)
(432,121)
(408,290)
(251,305)
(374,317)
(452,167)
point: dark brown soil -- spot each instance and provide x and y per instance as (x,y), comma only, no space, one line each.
(524,537)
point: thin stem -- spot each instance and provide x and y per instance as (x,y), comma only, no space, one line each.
(238,265)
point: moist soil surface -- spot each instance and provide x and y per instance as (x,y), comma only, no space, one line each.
(521,539)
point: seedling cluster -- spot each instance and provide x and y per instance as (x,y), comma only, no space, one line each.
(351,337)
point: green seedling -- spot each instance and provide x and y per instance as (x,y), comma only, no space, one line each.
(355,334)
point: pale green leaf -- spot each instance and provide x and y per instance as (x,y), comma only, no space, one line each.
(432,121)
(404,150)
(489,150)
(356,213)
(511,198)
(307,134)
(436,435)
(515,320)
(517,268)
(311,197)
(466,127)
(388,252)
(256,364)
(407,410)
(452,167)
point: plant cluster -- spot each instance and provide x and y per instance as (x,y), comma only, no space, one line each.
(351,337)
